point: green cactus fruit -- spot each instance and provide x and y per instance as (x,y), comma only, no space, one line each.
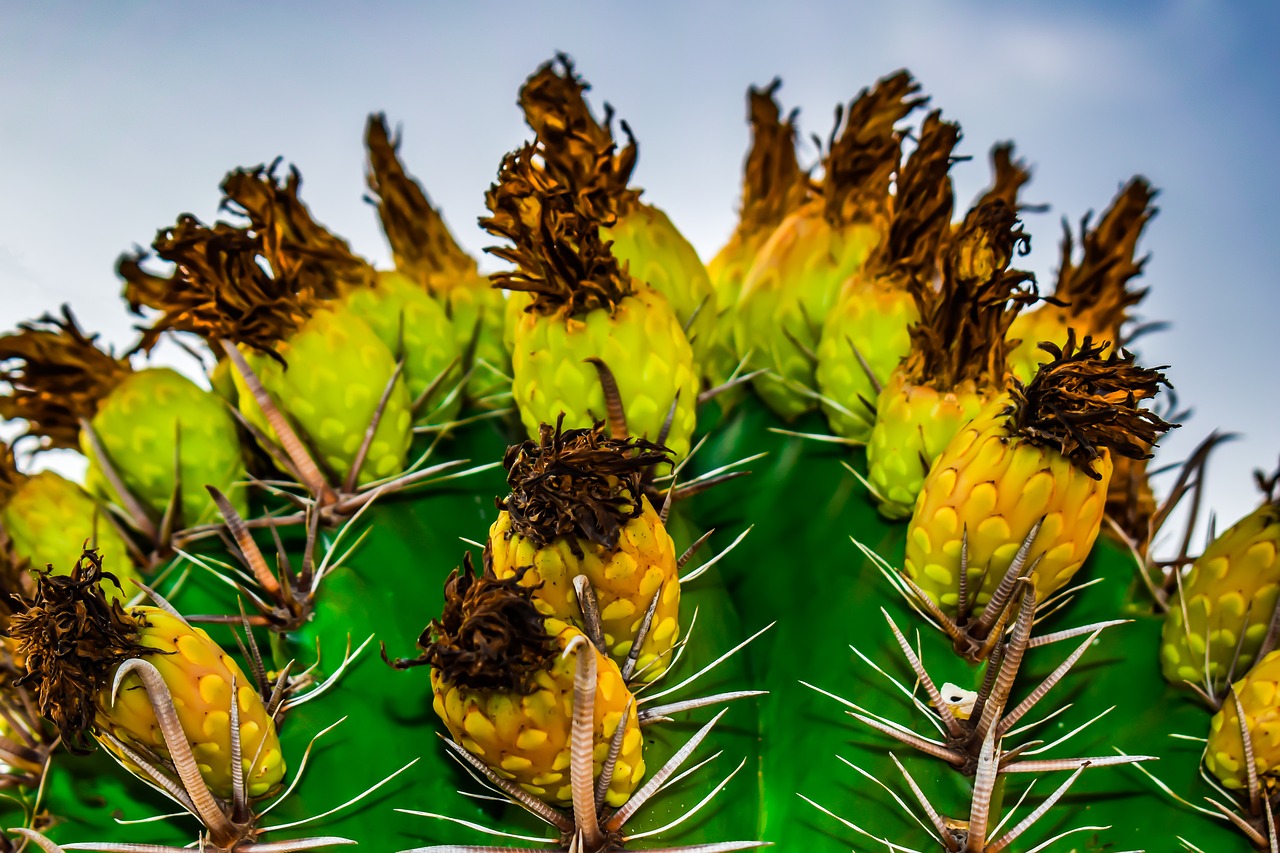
(595,339)
(865,336)
(335,372)
(413,326)
(158,415)
(773,186)
(1220,614)
(797,274)
(650,247)
(45,517)
(657,254)
(426,252)
(160,432)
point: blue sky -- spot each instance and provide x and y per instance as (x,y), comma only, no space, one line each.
(114,117)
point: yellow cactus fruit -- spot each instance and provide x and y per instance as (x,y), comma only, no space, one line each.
(1259,696)
(957,359)
(1223,608)
(504,688)
(796,276)
(577,508)
(73,640)
(1040,456)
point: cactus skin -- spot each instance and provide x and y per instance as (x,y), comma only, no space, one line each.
(151,415)
(874,317)
(624,581)
(1230,590)
(642,343)
(913,423)
(997,487)
(405,317)
(49,515)
(656,253)
(199,674)
(338,370)
(1224,753)
(526,738)
(791,287)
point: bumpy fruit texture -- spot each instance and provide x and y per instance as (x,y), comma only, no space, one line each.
(48,516)
(414,327)
(644,346)
(476,311)
(625,582)
(656,253)
(872,316)
(1225,603)
(914,424)
(199,675)
(153,417)
(1224,753)
(527,738)
(338,371)
(995,487)
(791,287)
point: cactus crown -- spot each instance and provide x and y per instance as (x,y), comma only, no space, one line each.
(58,376)
(1098,287)
(961,334)
(420,241)
(864,149)
(773,184)
(220,288)
(1007,176)
(490,635)
(924,202)
(293,242)
(72,639)
(559,254)
(577,146)
(1082,402)
(578,483)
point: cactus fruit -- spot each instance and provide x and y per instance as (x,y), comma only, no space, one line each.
(796,276)
(77,692)
(40,513)
(590,325)
(1019,491)
(153,437)
(1224,608)
(577,509)
(773,186)
(643,239)
(865,335)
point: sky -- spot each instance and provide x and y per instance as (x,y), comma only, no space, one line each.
(115,117)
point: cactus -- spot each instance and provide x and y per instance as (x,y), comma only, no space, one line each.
(592,661)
